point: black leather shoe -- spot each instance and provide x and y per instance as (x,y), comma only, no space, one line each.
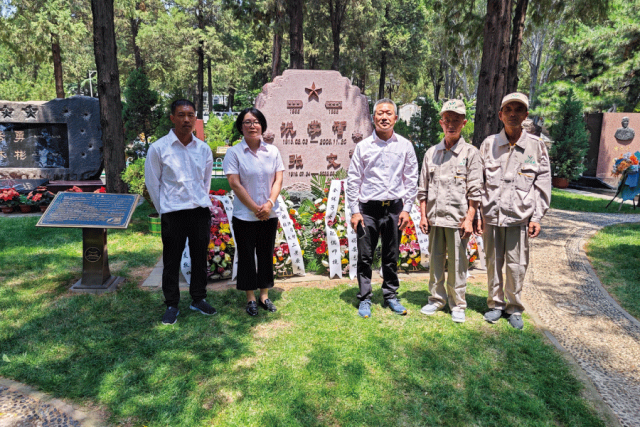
(252,308)
(268,305)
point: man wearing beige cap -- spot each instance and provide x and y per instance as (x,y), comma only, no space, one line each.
(449,193)
(517,193)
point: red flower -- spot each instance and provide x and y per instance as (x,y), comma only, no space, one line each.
(344,242)
(317,216)
(322,248)
(101,190)
(285,248)
(75,189)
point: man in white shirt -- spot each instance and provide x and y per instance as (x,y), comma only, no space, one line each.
(381,189)
(178,177)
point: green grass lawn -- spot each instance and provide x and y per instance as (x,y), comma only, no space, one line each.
(565,200)
(614,253)
(313,363)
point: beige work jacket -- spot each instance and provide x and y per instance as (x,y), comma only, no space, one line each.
(517,180)
(449,179)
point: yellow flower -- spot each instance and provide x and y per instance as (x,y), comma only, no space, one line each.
(224,228)
(275,261)
(403,240)
(211,245)
(292,211)
(231,242)
(417,259)
(222,246)
(345,261)
(302,251)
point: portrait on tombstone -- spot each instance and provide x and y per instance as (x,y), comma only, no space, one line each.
(381,190)
(178,173)
(625,133)
(254,170)
(316,119)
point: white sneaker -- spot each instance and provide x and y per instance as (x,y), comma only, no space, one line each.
(457,316)
(429,309)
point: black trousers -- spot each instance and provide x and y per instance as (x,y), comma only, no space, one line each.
(380,222)
(255,240)
(175,228)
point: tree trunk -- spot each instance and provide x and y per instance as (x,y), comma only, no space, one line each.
(337,10)
(383,73)
(493,71)
(105,50)
(210,94)
(57,66)
(135,26)
(295,9)
(232,98)
(276,56)
(200,57)
(516,45)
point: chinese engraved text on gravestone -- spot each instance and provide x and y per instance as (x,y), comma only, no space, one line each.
(318,113)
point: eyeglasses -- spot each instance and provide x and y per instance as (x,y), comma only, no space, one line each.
(249,123)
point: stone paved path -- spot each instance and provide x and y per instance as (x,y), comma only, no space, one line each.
(567,298)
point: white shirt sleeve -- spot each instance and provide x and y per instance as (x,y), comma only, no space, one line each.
(354,180)
(152,175)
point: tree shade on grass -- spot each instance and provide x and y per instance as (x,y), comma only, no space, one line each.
(313,363)
(567,201)
(614,253)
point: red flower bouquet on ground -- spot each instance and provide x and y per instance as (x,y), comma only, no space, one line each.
(9,197)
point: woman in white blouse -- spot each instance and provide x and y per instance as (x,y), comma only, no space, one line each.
(254,169)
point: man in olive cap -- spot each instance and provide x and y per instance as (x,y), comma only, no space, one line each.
(516,195)
(449,193)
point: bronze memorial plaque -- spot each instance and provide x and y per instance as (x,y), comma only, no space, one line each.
(90,210)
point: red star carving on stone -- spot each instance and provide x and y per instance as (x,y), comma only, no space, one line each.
(313,91)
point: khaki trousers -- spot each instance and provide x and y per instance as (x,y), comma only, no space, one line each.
(443,241)
(510,244)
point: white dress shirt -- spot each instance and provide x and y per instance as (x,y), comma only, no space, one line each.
(178,177)
(257,172)
(383,170)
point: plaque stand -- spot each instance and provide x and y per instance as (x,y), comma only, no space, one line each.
(96,277)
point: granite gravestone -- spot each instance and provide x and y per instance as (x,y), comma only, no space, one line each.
(612,146)
(55,140)
(315,118)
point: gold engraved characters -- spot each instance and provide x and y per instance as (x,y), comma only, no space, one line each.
(19,136)
(20,154)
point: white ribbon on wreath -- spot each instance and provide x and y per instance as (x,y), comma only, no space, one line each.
(423,239)
(295,252)
(333,242)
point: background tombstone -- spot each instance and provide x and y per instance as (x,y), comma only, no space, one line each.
(55,140)
(611,148)
(315,118)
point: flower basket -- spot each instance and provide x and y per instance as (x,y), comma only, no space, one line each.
(221,246)
(410,255)
(7,209)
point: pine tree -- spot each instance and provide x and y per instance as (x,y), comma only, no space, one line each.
(570,140)
(425,128)
(139,113)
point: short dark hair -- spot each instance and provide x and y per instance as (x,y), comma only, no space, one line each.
(181,102)
(256,113)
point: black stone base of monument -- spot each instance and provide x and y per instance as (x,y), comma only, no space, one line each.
(85,186)
(111,285)
(23,186)
(593,185)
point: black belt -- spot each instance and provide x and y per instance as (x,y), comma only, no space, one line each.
(377,203)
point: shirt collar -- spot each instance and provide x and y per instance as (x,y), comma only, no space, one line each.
(391,139)
(457,147)
(245,146)
(503,140)
(175,138)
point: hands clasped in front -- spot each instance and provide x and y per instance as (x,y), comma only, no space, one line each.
(263,212)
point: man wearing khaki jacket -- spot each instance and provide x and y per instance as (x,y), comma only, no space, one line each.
(449,193)
(517,193)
